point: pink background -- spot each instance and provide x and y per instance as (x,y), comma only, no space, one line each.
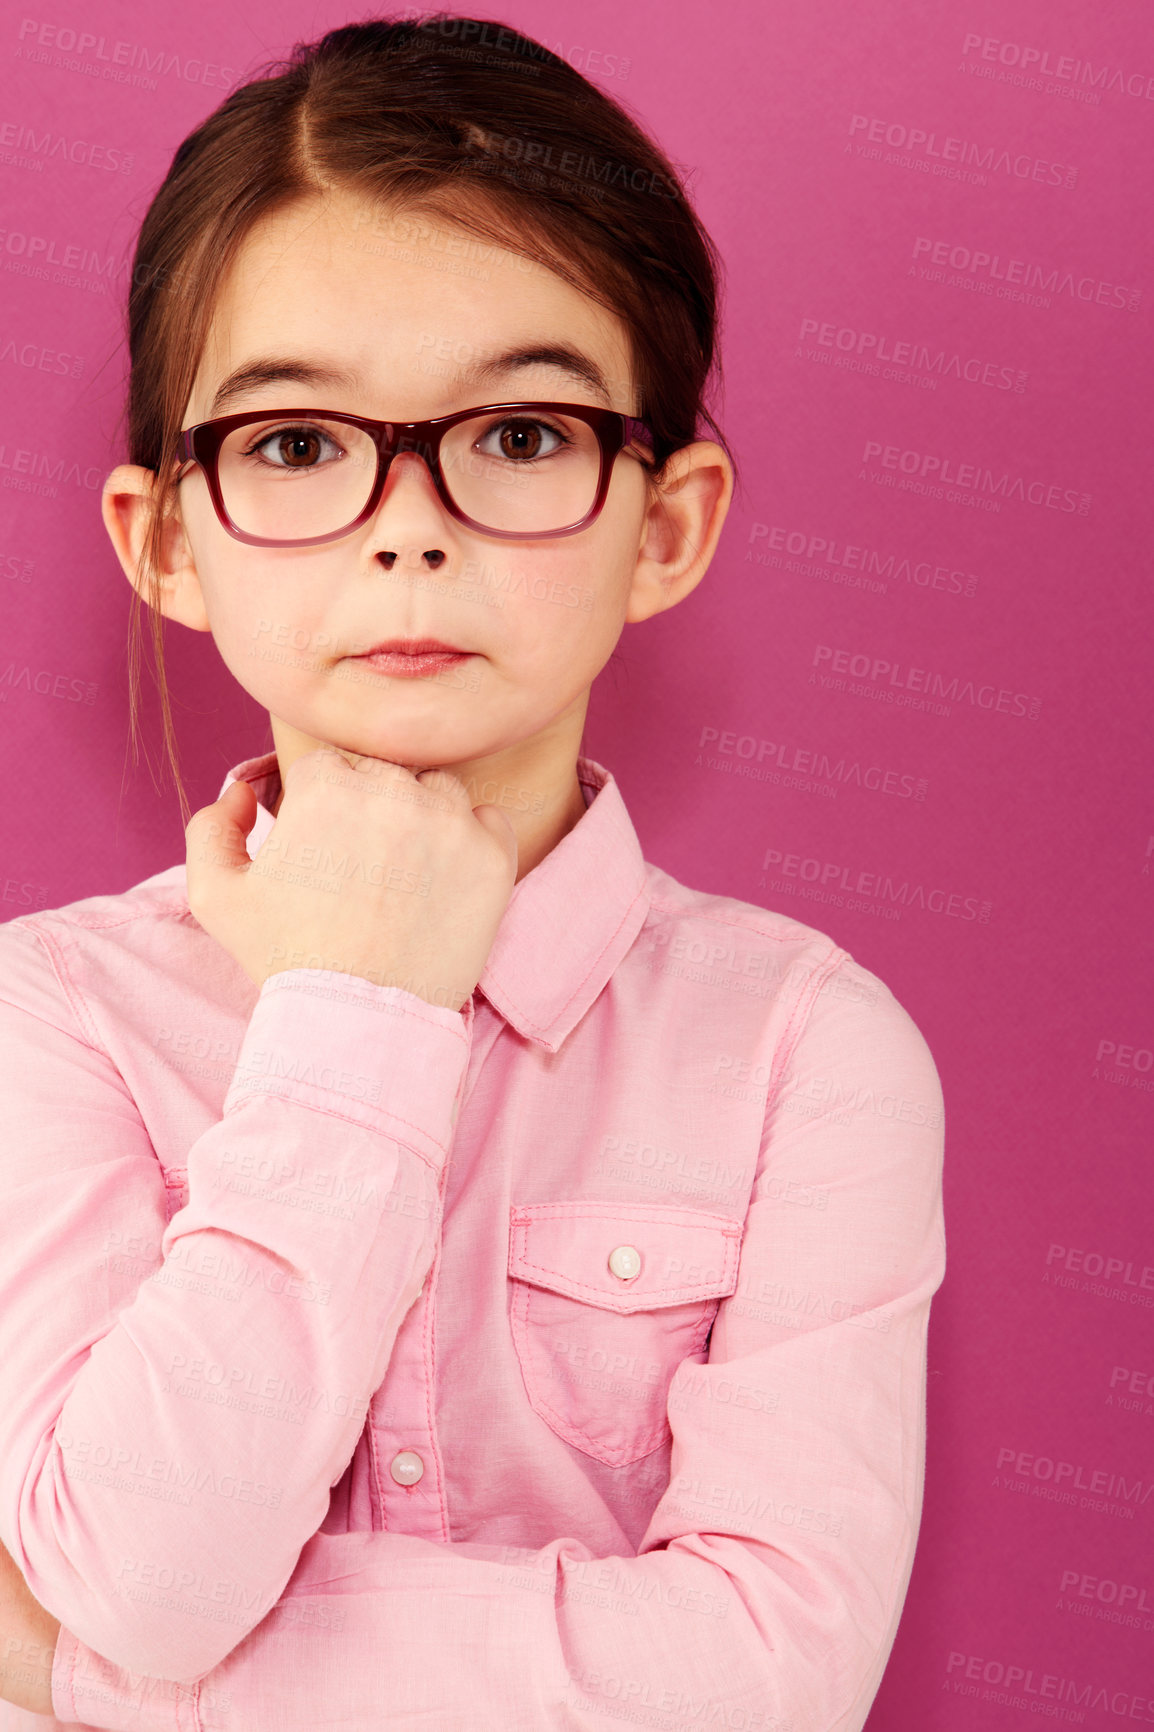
(981,830)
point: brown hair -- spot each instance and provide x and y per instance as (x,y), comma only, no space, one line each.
(459,118)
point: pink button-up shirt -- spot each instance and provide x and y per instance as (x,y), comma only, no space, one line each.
(555,1364)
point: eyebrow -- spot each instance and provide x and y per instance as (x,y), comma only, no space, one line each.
(277,370)
(292,370)
(562,356)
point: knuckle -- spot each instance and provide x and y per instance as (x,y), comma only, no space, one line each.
(444,781)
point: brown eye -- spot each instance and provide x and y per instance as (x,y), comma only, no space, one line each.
(295,449)
(520,439)
(298,449)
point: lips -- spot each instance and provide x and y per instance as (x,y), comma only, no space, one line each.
(415,646)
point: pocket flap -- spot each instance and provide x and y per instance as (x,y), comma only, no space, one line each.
(680,1254)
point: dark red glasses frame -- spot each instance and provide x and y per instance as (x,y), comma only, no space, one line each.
(615,432)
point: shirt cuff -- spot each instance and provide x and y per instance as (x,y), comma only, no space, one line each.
(378,1056)
(88,1690)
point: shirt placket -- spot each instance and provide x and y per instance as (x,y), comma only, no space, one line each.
(407,1467)
(408,1472)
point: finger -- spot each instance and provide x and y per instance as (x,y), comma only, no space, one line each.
(216,835)
(354,760)
(442,781)
(326,753)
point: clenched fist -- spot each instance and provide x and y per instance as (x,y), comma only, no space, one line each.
(370,870)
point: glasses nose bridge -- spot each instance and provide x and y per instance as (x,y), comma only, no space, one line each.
(404,439)
(407,438)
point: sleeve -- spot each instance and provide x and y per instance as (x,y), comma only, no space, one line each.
(767,1588)
(312,1219)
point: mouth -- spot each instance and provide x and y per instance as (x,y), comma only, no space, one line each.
(415,646)
(412,655)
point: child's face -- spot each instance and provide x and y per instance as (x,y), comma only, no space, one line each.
(335,284)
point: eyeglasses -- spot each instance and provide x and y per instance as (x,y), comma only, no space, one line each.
(300,477)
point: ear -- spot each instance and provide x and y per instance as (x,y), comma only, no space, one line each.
(687,510)
(127,508)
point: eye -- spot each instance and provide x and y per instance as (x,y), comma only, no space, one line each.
(521,440)
(295,448)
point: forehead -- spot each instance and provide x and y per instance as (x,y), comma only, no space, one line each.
(378,289)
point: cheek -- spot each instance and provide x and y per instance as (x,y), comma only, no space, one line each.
(268,623)
(564,605)
(250,592)
(581,583)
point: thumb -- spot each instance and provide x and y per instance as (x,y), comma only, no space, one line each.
(215,835)
(497,822)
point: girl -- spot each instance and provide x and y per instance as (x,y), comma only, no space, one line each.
(454,1275)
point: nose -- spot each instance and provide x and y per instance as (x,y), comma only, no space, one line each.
(409,509)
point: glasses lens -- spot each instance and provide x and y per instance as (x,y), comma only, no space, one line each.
(528,471)
(290,480)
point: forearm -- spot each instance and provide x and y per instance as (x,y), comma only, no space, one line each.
(383,1630)
(309,1211)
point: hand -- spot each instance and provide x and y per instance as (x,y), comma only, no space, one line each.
(371,870)
(27,1642)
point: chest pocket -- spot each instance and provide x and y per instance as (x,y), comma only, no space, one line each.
(606,1300)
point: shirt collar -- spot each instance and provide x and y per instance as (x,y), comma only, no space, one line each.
(545,967)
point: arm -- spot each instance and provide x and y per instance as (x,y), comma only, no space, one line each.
(767,1588)
(107,1472)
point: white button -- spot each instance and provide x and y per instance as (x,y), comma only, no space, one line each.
(407,1467)
(625,1261)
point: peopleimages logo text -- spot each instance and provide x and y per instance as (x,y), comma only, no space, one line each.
(948,149)
(1045,278)
(879,670)
(40,40)
(1066,67)
(972,476)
